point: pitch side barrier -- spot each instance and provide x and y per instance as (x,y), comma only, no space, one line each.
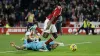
(21,30)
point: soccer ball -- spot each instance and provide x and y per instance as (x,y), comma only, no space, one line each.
(73,47)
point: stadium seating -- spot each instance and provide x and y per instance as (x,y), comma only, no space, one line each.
(74,10)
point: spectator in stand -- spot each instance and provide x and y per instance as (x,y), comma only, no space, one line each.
(1,23)
(11,19)
(77,10)
(23,21)
(35,11)
(59,25)
(18,18)
(98,18)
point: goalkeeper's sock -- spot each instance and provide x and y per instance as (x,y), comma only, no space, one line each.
(39,30)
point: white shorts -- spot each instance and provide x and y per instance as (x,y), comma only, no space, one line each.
(52,28)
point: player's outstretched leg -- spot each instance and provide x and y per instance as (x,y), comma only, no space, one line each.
(52,38)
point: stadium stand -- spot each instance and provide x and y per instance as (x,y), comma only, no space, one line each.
(14,11)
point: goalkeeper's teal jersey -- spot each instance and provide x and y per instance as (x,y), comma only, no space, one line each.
(36,45)
(33,27)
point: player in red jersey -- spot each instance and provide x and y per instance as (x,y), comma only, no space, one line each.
(49,24)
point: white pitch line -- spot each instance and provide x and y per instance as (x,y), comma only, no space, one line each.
(76,43)
(81,54)
(8,51)
(81,43)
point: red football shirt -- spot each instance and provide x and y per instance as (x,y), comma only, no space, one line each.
(56,13)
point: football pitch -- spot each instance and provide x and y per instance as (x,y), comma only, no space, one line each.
(88,45)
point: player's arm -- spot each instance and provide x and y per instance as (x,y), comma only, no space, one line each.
(27,16)
(34,19)
(30,36)
(17,47)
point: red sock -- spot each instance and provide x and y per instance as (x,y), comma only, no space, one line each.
(47,42)
(39,30)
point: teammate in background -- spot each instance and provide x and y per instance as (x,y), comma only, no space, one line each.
(1,23)
(83,27)
(36,46)
(31,19)
(49,24)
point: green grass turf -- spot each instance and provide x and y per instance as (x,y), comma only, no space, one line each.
(86,49)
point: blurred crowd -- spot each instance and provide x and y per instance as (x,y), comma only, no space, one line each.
(15,11)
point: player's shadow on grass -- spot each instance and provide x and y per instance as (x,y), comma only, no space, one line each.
(25,51)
